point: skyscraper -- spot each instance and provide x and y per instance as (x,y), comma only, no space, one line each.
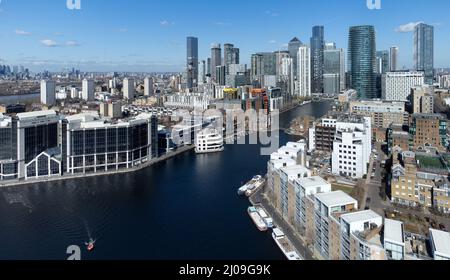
(424,51)
(148,86)
(334,69)
(88,90)
(231,54)
(304,71)
(128,89)
(293,47)
(192,62)
(216,59)
(362,61)
(393,64)
(202,72)
(317,49)
(382,62)
(48,94)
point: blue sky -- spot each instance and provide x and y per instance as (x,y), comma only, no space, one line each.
(144,35)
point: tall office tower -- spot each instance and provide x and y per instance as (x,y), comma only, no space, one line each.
(48,93)
(287,71)
(148,86)
(231,54)
(317,49)
(382,62)
(362,61)
(128,89)
(279,56)
(216,59)
(88,90)
(424,51)
(192,62)
(221,72)
(263,64)
(293,47)
(208,67)
(393,64)
(202,72)
(304,71)
(334,69)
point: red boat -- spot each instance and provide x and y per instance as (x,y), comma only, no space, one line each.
(90,245)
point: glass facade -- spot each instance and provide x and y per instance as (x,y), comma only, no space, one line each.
(317,59)
(39,139)
(362,61)
(192,61)
(424,51)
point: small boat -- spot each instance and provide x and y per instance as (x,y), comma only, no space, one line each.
(251,186)
(90,246)
(257,219)
(285,245)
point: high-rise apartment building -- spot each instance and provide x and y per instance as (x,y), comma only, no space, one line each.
(424,51)
(304,72)
(148,86)
(362,61)
(293,47)
(128,89)
(192,62)
(88,90)
(393,62)
(317,52)
(48,92)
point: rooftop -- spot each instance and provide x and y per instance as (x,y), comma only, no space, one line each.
(393,231)
(335,198)
(311,182)
(441,242)
(36,114)
(360,216)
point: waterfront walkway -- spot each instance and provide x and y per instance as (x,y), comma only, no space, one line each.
(292,234)
(84,175)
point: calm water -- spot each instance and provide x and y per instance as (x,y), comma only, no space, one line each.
(184,208)
(11,99)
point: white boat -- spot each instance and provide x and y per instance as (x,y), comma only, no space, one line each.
(257,219)
(209,140)
(255,182)
(285,245)
(258,182)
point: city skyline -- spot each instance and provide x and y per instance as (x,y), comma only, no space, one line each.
(77,38)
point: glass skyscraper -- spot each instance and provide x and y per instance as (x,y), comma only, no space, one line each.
(362,61)
(294,46)
(192,62)
(424,50)
(317,49)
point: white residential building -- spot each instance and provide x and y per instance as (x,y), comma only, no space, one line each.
(88,90)
(128,89)
(48,92)
(148,86)
(396,86)
(394,240)
(440,244)
(304,71)
(352,146)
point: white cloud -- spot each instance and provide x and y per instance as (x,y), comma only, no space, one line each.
(166,23)
(409,27)
(49,43)
(72,44)
(22,32)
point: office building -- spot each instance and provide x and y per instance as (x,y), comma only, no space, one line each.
(216,59)
(192,62)
(317,59)
(128,89)
(48,92)
(293,47)
(231,54)
(383,114)
(424,51)
(352,146)
(8,148)
(304,72)
(334,67)
(148,86)
(88,90)
(440,241)
(396,86)
(422,100)
(382,62)
(202,72)
(362,61)
(393,61)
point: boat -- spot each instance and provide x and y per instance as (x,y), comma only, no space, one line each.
(249,188)
(209,140)
(90,246)
(257,219)
(285,245)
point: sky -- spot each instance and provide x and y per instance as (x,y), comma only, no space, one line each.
(150,35)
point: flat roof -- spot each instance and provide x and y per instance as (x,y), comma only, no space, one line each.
(312,182)
(36,114)
(441,242)
(335,198)
(294,170)
(393,231)
(360,216)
